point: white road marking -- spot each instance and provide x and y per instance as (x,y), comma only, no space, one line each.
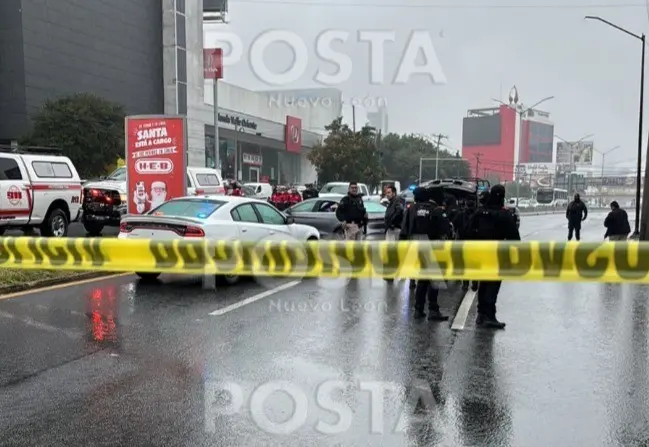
(463,312)
(254,298)
(37,324)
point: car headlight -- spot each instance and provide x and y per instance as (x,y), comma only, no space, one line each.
(122,198)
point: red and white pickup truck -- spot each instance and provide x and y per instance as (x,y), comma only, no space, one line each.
(104,200)
(38,191)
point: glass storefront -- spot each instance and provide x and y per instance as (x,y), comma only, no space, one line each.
(255,162)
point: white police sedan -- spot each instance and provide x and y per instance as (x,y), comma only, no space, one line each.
(216,218)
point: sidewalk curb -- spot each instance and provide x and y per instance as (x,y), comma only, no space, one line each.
(5,290)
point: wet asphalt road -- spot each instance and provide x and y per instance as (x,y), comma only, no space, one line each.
(75,230)
(118,362)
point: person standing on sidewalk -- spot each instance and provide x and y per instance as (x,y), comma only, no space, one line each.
(393,216)
(617,223)
(351,212)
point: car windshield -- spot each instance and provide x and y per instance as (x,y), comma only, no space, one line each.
(118,174)
(335,189)
(197,208)
(248,190)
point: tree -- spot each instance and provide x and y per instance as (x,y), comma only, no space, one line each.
(523,190)
(88,129)
(346,155)
(402,155)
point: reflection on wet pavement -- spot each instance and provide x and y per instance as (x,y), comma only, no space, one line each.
(120,362)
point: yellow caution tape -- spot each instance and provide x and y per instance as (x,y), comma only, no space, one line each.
(519,261)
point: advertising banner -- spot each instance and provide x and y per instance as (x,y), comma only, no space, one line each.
(156,160)
(578,153)
(538,175)
(293,134)
(213,63)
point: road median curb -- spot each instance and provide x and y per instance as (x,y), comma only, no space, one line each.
(14,288)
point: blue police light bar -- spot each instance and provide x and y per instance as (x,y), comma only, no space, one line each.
(412,187)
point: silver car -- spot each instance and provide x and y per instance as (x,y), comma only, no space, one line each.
(321,214)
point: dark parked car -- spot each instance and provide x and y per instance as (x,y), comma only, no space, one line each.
(321,214)
(459,189)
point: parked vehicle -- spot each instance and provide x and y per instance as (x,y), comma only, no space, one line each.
(214,217)
(320,213)
(105,200)
(38,190)
(263,191)
(334,189)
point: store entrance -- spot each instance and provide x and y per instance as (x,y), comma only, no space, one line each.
(253,175)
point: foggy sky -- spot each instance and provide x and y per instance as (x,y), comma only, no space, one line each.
(592,70)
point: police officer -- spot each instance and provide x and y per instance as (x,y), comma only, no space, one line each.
(424,221)
(492,222)
(461,225)
(576,213)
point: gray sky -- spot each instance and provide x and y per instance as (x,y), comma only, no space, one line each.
(544,49)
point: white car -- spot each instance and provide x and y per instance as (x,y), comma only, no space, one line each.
(214,217)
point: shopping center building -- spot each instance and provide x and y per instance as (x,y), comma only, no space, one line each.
(148,56)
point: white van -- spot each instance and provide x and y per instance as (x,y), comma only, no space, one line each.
(204,181)
(263,191)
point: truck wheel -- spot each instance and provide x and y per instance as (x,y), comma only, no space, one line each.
(93,228)
(147,276)
(55,224)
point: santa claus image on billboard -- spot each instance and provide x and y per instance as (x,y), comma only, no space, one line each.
(140,197)
(158,194)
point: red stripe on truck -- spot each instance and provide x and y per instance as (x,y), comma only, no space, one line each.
(46,186)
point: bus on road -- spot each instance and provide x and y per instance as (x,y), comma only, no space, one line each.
(553,197)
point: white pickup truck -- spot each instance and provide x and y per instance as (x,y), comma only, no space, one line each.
(334,189)
(105,200)
(38,191)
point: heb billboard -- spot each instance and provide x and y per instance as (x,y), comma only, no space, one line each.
(156,148)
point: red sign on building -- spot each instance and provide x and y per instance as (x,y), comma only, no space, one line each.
(156,154)
(213,63)
(293,134)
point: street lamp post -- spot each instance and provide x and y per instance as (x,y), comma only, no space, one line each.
(604,154)
(636,232)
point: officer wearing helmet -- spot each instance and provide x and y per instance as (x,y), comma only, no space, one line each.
(492,222)
(425,221)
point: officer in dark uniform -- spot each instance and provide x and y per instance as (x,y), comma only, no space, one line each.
(425,221)
(461,225)
(492,222)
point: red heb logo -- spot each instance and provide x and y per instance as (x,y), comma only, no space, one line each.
(14,195)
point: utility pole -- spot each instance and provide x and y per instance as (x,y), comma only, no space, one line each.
(354,118)
(440,137)
(477,163)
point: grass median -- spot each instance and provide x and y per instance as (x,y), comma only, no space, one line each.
(14,277)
